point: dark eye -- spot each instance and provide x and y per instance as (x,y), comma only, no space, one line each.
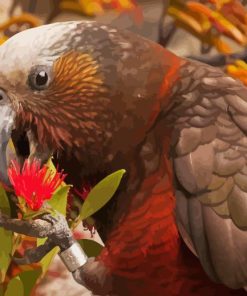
(39,78)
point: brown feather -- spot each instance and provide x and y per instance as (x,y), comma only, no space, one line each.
(63,113)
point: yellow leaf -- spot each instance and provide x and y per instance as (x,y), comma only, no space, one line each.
(231,69)
(220,3)
(199,8)
(3,39)
(185,18)
(126,4)
(205,23)
(241,64)
(91,7)
(221,45)
(71,6)
(229,27)
(222,24)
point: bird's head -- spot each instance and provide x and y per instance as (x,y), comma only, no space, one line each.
(79,89)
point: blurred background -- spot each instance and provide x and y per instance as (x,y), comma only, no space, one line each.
(145,17)
(212,31)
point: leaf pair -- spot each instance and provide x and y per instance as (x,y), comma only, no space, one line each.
(22,284)
(97,198)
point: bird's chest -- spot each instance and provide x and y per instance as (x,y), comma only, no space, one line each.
(146,256)
(142,250)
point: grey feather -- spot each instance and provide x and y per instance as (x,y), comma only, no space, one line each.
(211,195)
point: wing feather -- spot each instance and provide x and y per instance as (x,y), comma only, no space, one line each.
(210,167)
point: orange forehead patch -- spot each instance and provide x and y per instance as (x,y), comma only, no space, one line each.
(77,72)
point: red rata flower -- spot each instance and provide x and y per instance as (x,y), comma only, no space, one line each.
(33,183)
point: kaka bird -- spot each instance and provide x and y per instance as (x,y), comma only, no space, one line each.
(99,99)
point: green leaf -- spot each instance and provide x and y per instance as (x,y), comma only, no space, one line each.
(51,165)
(90,247)
(59,203)
(29,279)
(1,290)
(6,238)
(101,194)
(47,260)
(17,239)
(4,202)
(15,287)
(33,214)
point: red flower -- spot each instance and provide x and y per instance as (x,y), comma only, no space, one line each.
(33,183)
(84,192)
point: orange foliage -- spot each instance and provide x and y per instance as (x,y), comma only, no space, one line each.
(238,70)
(211,20)
(95,7)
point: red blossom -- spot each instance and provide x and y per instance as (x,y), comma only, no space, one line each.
(83,194)
(34,183)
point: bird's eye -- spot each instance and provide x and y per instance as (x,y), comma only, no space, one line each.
(39,78)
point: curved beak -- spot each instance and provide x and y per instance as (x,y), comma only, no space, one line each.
(7,116)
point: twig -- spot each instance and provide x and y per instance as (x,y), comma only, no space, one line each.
(165,31)
(220,60)
(55,228)
(54,11)
(38,228)
(12,7)
(36,254)
(32,6)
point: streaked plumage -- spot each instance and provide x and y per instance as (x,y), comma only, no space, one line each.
(116,100)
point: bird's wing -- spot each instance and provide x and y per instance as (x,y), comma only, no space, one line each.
(210,166)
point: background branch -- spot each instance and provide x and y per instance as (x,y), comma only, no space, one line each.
(166,31)
(220,60)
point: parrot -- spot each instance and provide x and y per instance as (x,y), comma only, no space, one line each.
(99,99)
